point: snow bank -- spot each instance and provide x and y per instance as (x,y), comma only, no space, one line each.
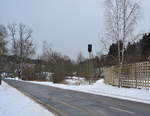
(76,81)
(16,78)
(13,103)
(99,88)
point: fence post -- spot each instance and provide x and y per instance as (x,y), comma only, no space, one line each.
(136,75)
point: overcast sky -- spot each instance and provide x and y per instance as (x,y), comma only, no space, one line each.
(68,24)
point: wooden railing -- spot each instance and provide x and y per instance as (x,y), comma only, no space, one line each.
(136,75)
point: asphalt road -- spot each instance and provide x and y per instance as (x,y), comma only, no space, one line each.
(72,103)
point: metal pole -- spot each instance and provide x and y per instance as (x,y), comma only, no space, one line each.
(89,70)
(89,73)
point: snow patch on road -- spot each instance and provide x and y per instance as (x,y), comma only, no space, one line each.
(13,103)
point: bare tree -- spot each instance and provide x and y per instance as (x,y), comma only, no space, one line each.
(3,42)
(54,61)
(80,59)
(3,49)
(59,65)
(22,44)
(121,19)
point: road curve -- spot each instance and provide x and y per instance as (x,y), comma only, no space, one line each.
(72,103)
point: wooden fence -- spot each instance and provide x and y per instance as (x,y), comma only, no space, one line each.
(136,75)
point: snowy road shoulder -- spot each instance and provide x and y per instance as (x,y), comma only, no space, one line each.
(14,103)
(99,88)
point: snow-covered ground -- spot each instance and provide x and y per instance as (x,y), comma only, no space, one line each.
(14,103)
(76,81)
(100,88)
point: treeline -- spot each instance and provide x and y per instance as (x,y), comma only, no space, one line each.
(17,60)
(134,52)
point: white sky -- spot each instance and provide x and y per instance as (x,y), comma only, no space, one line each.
(68,24)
